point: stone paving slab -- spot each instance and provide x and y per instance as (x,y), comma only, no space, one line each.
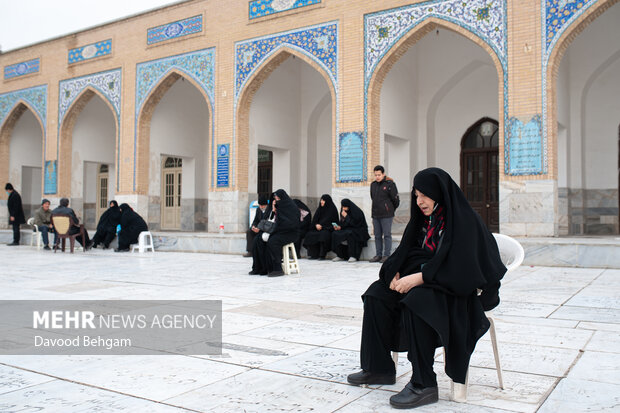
(289,342)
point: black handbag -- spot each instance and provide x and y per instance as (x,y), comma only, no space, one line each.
(266,225)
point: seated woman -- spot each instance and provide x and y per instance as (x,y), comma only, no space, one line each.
(132,225)
(267,253)
(318,240)
(106,228)
(305,220)
(426,296)
(351,234)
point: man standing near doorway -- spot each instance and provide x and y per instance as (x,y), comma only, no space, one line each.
(385,200)
(16,212)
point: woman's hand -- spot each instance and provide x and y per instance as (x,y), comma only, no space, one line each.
(403,285)
(319,227)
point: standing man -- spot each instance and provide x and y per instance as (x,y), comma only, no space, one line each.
(42,219)
(385,200)
(16,212)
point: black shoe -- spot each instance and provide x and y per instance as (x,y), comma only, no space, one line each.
(376,258)
(106,246)
(12,244)
(313,258)
(89,246)
(366,377)
(383,259)
(247,254)
(321,258)
(121,250)
(95,245)
(412,396)
(254,272)
(47,247)
(275,273)
(263,273)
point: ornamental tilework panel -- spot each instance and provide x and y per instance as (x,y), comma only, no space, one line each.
(90,51)
(35,97)
(318,42)
(174,30)
(557,15)
(351,159)
(485,18)
(198,65)
(523,149)
(260,8)
(21,69)
(107,83)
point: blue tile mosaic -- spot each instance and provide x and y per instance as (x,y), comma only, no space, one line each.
(50,178)
(261,8)
(174,30)
(486,19)
(198,66)
(350,162)
(90,51)
(319,43)
(34,97)
(107,84)
(523,150)
(557,16)
(22,68)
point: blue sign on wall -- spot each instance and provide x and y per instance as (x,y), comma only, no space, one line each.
(223,162)
(351,157)
(50,186)
(524,147)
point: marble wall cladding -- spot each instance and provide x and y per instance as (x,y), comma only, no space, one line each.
(4,214)
(229,208)
(201,214)
(591,211)
(528,208)
(90,215)
(154,213)
(187,214)
(30,209)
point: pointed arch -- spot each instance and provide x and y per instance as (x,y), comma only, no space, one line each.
(393,55)
(143,124)
(248,90)
(65,136)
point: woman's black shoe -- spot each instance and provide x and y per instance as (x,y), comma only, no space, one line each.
(254,272)
(313,258)
(366,377)
(412,396)
(275,273)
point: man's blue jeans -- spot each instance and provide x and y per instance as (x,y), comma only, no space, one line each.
(383,232)
(44,229)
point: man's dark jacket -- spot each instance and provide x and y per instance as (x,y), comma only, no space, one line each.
(384,197)
(15,208)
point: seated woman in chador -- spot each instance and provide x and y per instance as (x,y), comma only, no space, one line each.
(318,240)
(351,233)
(427,293)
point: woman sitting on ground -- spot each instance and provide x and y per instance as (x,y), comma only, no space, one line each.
(106,228)
(267,250)
(351,234)
(427,292)
(318,240)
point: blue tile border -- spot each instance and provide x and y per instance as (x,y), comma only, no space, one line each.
(90,51)
(174,30)
(22,68)
(262,8)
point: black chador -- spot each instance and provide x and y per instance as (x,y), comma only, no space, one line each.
(318,242)
(456,255)
(106,228)
(267,255)
(354,230)
(305,220)
(132,225)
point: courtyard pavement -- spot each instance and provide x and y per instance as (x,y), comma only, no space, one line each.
(289,342)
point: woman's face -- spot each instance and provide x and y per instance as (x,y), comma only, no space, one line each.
(277,198)
(322,202)
(425,204)
(344,208)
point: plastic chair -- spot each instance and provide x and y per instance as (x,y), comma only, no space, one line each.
(289,259)
(512,255)
(35,234)
(62,224)
(143,244)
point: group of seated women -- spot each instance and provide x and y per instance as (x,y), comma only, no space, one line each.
(345,232)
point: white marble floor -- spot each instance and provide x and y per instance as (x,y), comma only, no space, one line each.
(289,342)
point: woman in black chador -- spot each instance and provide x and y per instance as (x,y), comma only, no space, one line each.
(351,228)
(267,254)
(426,295)
(106,228)
(305,220)
(318,240)
(132,225)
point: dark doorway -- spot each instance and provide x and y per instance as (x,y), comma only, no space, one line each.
(265,173)
(480,170)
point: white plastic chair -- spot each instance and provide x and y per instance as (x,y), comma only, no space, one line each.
(512,255)
(143,244)
(289,259)
(35,234)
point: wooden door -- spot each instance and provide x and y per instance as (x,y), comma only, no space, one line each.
(172,174)
(265,173)
(102,190)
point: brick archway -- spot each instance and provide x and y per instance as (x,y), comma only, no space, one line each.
(6,130)
(143,126)
(246,95)
(389,60)
(65,146)
(551,70)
